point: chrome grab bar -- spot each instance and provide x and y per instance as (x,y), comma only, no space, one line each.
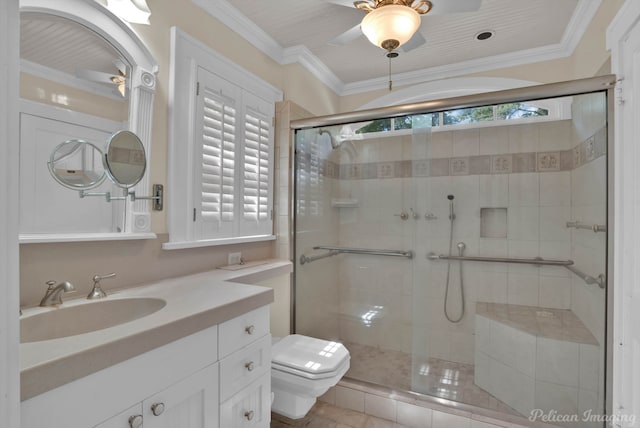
(594,227)
(308,259)
(532,261)
(600,279)
(333,251)
(393,253)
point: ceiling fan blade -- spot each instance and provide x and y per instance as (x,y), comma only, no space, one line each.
(442,7)
(96,76)
(346,3)
(414,42)
(121,66)
(347,37)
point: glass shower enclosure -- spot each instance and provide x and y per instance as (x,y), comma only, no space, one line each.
(460,251)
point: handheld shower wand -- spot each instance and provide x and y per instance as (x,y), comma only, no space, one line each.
(461,247)
(452,215)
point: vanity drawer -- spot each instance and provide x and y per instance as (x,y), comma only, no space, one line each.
(241,331)
(250,407)
(244,366)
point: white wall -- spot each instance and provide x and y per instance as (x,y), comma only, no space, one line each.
(9,364)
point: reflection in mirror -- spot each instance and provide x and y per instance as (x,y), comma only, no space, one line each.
(77,165)
(124,159)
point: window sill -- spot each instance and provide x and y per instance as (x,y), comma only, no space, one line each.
(37,238)
(215,242)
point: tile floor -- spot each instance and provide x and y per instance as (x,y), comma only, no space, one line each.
(435,377)
(324,415)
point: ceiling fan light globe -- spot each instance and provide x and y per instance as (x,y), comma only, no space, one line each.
(390,22)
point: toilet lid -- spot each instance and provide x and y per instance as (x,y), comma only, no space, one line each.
(302,354)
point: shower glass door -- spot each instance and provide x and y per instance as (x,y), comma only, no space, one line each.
(505,182)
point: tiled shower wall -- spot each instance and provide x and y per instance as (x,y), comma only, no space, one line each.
(528,171)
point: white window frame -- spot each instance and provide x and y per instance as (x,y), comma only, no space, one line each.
(187,55)
(559,109)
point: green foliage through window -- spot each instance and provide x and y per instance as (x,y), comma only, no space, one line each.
(505,111)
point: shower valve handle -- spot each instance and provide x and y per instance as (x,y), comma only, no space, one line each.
(403,215)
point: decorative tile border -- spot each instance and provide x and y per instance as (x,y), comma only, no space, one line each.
(508,163)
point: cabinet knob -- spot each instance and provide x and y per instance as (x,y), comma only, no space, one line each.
(135,421)
(250,329)
(249,415)
(157,409)
(249,366)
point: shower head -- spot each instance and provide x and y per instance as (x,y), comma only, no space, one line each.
(334,143)
(450,197)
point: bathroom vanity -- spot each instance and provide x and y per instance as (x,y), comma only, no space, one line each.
(202,360)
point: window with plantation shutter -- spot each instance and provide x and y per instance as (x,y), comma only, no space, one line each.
(221,150)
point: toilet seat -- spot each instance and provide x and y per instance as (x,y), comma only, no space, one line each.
(302,369)
(309,357)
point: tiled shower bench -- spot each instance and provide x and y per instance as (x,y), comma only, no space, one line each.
(537,358)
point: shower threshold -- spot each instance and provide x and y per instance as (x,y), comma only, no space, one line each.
(450,382)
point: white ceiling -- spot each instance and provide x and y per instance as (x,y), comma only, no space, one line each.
(300,30)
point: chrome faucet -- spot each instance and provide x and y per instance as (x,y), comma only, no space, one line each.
(97,292)
(53,295)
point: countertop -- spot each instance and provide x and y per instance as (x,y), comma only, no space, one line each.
(194,302)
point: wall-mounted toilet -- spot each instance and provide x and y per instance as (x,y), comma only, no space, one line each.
(302,369)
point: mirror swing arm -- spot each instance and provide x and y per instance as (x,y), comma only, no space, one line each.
(75,165)
(157,198)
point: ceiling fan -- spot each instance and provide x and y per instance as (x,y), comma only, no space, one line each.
(417,8)
(119,79)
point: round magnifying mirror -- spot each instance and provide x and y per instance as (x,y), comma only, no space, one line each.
(77,165)
(124,159)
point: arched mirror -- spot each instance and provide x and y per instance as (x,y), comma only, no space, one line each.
(85,74)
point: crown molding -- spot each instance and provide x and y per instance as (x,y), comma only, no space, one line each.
(223,11)
(302,55)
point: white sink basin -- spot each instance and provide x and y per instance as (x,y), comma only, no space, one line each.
(85,318)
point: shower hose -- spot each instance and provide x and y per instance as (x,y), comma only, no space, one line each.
(461,247)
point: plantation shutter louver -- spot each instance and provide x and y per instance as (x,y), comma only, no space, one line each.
(218,160)
(215,161)
(257,170)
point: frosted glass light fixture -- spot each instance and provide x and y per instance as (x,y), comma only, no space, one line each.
(391,23)
(132,11)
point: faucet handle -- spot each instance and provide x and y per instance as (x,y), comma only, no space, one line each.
(97,292)
(98,278)
(50,284)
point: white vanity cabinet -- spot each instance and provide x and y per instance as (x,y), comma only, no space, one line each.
(245,370)
(216,377)
(190,403)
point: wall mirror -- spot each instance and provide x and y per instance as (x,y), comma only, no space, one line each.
(76,58)
(81,165)
(77,165)
(124,159)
